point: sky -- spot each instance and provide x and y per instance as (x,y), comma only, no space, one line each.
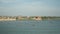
(30,7)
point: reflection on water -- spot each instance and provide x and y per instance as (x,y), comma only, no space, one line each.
(30,27)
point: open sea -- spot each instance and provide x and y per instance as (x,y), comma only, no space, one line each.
(30,27)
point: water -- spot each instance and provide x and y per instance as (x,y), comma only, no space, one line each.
(30,27)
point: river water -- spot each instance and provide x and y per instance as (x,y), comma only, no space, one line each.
(30,27)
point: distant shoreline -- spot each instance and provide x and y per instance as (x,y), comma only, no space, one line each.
(14,18)
(29,20)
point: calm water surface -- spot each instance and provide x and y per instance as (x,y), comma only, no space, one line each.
(30,27)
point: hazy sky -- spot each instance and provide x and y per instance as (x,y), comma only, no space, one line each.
(30,7)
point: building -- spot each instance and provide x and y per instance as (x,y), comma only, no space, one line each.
(37,18)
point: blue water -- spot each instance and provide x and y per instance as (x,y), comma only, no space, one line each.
(30,27)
